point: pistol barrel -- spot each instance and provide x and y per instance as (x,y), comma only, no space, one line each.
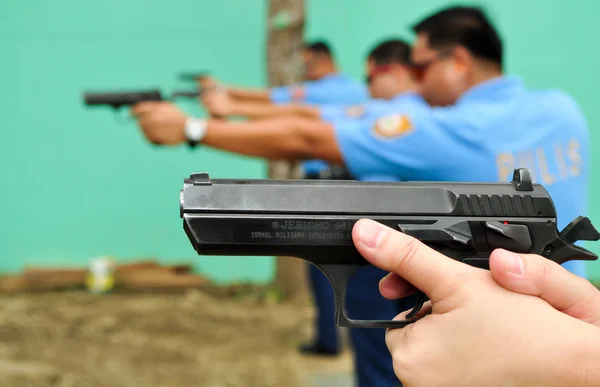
(306,197)
(117,99)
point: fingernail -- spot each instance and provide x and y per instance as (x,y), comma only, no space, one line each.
(371,233)
(514,264)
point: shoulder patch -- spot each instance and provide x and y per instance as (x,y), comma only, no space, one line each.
(392,126)
(355,111)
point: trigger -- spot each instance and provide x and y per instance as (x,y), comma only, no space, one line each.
(421,300)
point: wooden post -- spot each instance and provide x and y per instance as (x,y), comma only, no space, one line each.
(284,50)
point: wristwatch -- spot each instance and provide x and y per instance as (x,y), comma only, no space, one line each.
(195,128)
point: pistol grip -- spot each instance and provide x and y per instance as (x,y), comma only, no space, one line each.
(339,275)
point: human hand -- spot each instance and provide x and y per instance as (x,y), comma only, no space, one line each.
(218,103)
(478,333)
(207,83)
(161,122)
(533,275)
(541,277)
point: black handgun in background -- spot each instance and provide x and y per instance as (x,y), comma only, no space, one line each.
(313,220)
(117,100)
(195,77)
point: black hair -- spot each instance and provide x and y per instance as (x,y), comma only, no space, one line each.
(462,26)
(391,51)
(318,47)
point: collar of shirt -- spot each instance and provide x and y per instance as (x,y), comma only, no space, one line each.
(497,88)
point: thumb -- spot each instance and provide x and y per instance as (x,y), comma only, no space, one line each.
(538,276)
(431,272)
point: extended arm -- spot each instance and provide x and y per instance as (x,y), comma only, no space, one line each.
(278,138)
(267,110)
(249,95)
(221,104)
(360,145)
(236,93)
(278,95)
(281,94)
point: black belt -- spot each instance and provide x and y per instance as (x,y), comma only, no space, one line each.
(331,173)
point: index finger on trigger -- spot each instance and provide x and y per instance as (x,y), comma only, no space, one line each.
(393,287)
(390,250)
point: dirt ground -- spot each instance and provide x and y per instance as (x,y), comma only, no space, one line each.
(207,338)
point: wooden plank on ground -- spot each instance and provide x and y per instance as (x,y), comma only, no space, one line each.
(135,274)
(159,279)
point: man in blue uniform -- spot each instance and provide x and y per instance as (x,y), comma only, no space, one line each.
(544,130)
(323,84)
(391,86)
(485,124)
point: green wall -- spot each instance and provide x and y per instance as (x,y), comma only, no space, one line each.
(78,182)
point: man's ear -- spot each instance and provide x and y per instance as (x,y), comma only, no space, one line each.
(463,60)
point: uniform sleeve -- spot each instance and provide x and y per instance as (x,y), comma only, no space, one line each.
(281,95)
(332,112)
(407,145)
(320,93)
(309,92)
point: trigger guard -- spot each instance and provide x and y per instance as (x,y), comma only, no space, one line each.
(338,276)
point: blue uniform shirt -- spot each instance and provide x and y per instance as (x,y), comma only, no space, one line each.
(331,89)
(495,127)
(334,112)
